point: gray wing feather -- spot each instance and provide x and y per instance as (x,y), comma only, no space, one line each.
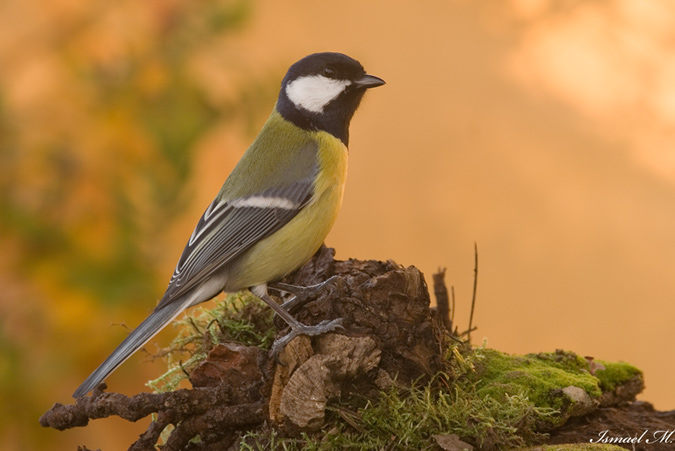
(144,332)
(227,229)
(223,232)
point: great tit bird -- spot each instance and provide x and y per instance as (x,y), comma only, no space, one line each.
(275,208)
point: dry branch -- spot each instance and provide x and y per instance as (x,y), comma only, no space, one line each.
(388,333)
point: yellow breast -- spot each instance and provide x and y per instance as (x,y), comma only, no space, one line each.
(295,243)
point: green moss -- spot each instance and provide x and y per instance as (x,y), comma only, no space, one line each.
(488,398)
(539,377)
(407,418)
(240,317)
(615,374)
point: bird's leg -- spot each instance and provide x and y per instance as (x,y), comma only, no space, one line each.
(297,328)
(302,295)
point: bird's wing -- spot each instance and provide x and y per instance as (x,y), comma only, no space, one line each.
(229,227)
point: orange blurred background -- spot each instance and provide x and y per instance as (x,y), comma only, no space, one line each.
(541,130)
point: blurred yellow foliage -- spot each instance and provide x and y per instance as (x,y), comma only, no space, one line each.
(99,110)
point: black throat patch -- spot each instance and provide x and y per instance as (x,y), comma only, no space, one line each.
(334,119)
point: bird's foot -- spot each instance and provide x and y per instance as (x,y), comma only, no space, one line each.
(322,328)
(303,295)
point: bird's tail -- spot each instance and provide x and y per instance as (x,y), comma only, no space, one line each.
(136,339)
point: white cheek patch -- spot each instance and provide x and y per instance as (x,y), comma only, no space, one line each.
(314,92)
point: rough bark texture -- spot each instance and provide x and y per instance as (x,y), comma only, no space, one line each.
(381,300)
(629,419)
(388,332)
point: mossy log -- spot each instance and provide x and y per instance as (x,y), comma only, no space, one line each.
(388,333)
(392,340)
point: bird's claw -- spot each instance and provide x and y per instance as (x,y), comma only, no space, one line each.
(303,295)
(323,327)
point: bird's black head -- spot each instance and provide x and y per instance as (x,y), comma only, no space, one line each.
(322,92)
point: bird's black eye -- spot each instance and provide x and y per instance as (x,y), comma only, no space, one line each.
(329,72)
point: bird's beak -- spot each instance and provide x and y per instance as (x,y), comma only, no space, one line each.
(368,81)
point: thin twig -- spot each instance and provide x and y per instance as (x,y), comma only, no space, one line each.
(475,287)
(452,311)
(194,325)
(467,333)
(220,326)
(182,368)
(350,419)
